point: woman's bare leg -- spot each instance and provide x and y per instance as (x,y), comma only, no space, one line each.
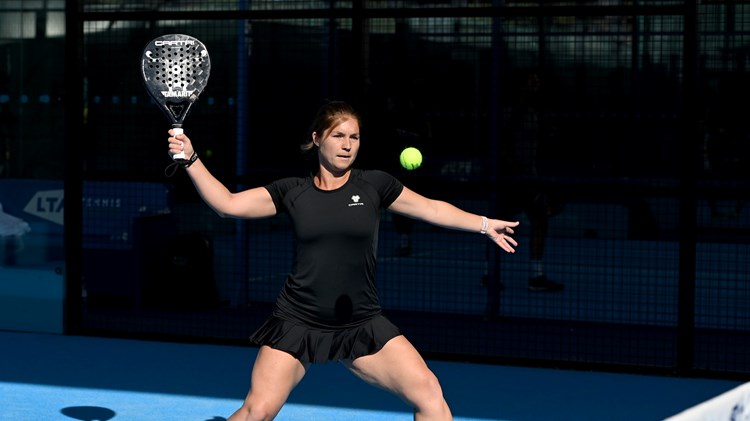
(399,368)
(275,374)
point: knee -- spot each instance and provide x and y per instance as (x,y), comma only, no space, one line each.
(429,385)
(429,396)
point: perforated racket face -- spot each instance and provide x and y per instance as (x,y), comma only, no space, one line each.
(175,70)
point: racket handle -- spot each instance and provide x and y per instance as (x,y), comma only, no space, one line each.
(181,155)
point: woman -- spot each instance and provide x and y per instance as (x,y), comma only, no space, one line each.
(328,308)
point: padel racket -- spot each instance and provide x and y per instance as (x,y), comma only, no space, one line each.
(175,70)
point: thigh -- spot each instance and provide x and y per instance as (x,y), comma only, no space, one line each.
(275,374)
(398,368)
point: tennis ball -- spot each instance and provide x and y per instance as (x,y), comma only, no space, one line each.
(411,158)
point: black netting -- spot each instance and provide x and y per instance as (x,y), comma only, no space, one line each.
(616,141)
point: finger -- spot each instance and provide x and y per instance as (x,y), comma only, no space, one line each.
(510,240)
(176,145)
(507,247)
(505,243)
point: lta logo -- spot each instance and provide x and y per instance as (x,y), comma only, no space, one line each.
(48,205)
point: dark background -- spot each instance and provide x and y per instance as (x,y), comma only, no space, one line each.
(642,139)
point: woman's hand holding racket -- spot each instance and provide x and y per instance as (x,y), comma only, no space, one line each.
(180,150)
(179,143)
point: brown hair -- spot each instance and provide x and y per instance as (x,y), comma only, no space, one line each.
(330,115)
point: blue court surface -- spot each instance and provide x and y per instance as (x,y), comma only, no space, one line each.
(57,377)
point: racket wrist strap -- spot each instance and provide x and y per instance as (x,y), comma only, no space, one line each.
(186,163)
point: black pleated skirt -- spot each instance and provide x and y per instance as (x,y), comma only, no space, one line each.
(316,345)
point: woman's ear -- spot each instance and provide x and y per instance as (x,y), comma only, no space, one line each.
(315,139)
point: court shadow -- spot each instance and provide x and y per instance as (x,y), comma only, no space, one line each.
(88,413)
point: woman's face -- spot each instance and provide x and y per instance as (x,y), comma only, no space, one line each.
(338,149)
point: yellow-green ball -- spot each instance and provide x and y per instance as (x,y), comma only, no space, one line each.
(411,158)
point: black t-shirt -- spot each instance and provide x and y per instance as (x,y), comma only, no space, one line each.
(332,281)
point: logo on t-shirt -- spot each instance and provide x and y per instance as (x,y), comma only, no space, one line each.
(355,201)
